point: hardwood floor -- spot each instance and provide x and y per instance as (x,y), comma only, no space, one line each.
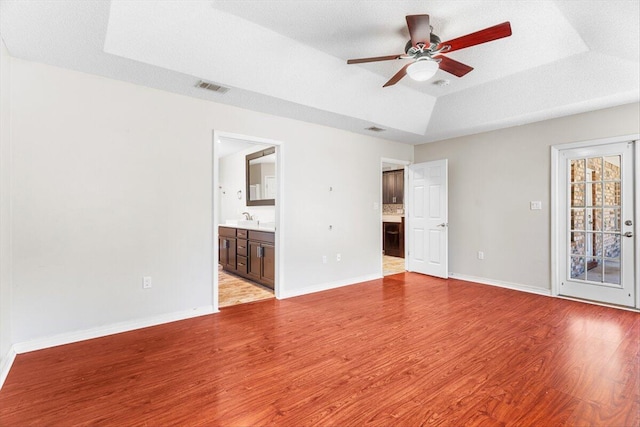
(405,350)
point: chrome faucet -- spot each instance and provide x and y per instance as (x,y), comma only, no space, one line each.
(247,215)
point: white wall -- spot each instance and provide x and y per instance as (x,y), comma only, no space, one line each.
(113,181)
(110,183)
(492,178)
(5,208)
(232,179)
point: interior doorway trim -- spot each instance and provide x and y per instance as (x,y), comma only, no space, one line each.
(279,208)
(556,239)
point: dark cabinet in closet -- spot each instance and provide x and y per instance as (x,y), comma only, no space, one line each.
(393,187)
(393,238)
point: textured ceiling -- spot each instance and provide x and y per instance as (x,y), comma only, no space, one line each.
(288,57)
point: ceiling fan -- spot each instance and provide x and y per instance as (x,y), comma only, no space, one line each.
(426,49)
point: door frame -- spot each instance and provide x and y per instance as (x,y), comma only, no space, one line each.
(557,240)
(404,164)
(279,208)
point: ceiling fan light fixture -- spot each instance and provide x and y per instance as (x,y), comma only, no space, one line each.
(422,70)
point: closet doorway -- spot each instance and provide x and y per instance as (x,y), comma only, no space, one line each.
(393,204)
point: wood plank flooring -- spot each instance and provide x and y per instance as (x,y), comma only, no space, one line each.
(233,290)
(404,350)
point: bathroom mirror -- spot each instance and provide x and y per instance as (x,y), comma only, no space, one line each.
(261,178)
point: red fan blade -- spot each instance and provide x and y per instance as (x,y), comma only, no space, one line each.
(398,76)
(419,29)
(488,34)
(454,67)
(373,59)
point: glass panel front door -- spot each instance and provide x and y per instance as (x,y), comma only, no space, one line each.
(595,184)
(598,251)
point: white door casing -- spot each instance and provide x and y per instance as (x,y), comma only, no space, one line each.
(596,243)
(427,219)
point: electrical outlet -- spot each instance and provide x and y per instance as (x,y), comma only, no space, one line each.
(338,257)
(324,259)
(146,282)
(480,255)
(535,205)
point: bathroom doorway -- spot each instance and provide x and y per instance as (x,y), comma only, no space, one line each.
(246,236)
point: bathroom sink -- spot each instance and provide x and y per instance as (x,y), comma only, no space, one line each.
(248,223)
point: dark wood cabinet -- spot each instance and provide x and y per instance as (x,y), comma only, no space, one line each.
(242,251)
(255,263)
(261,263)
(387,186)
(227,248)
(248,253)
(269,265)
(393,238)
(393,187)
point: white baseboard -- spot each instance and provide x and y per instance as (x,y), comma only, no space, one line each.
(7,362)
(330,285)
(115,328)
(501,284)
(601,304)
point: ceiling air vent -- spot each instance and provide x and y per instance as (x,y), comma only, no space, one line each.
(375,129)
(212,87)
(442,83)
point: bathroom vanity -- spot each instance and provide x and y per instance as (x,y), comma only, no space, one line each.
(248,252)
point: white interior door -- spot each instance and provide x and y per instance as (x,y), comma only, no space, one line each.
(427,218)
(270,187)
(597,246)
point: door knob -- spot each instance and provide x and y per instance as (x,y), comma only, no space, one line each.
(628,222)
(444,224)
(628,234)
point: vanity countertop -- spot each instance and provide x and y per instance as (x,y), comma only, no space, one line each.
(392,218)
(250,225)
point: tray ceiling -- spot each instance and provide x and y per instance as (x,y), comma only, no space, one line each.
(288,57)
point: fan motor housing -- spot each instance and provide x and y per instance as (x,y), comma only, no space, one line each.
(434,42)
